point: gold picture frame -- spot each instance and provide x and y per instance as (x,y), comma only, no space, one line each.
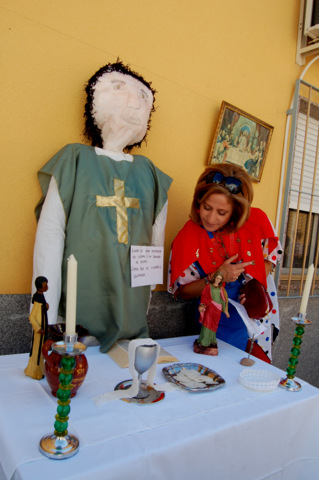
(241,139)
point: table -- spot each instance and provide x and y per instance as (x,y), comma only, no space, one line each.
(231,432)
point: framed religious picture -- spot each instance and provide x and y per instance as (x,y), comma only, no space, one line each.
(241,139)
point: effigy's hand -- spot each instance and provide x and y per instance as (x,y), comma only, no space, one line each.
(232,269)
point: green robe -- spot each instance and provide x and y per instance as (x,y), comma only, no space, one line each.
(101,226)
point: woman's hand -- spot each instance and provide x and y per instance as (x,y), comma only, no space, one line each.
(242,299)
(192,290)
(232,270)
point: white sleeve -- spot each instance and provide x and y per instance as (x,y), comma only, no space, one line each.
(48,248)
(158,229)
(274,256)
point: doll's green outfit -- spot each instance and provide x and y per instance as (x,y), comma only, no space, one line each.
(216,301)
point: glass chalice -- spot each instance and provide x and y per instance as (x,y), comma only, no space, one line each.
(145,355)
(144,359)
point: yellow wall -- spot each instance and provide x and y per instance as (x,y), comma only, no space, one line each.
(195,53)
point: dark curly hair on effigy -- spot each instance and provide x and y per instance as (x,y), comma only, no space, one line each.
(91,131)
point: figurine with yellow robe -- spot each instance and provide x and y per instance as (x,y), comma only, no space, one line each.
(39,321)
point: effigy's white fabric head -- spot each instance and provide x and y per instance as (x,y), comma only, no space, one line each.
(121,110)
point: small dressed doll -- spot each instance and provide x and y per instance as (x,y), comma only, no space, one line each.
(213,301)
(39,321)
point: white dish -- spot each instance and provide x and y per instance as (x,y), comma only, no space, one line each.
(260,380)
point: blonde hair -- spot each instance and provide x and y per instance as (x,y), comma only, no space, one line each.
(240,202)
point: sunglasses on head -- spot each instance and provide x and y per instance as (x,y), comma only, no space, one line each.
(232,184)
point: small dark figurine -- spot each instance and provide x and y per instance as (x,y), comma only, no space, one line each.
(213,301)
(39,321)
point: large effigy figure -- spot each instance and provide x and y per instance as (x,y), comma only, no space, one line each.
(99,200)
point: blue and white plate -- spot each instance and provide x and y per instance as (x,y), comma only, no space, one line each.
(193,377)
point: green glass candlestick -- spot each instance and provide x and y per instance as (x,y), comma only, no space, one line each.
(289,383)
(61,444)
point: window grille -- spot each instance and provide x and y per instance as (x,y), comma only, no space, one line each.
(300,217)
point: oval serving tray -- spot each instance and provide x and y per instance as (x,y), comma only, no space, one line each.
(193,377)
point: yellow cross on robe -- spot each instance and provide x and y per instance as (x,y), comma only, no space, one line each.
(121,203)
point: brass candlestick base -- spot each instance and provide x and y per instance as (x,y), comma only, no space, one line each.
(61,444)
(289,383)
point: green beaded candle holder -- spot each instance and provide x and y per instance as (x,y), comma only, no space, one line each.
(61,444)
(289,383)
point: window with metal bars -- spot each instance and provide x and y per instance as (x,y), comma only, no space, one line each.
(301,212)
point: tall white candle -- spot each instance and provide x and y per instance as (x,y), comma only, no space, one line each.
(306,291)
(71,288)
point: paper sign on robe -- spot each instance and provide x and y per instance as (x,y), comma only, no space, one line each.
(146,265)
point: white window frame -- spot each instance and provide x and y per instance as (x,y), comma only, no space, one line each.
(302,178)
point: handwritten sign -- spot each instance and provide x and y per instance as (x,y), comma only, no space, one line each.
(146,265)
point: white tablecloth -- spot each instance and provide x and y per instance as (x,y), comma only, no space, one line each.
(228,433)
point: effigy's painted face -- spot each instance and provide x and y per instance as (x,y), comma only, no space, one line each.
(215,212)
(121,109)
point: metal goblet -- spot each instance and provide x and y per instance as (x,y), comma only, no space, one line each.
(144,358)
